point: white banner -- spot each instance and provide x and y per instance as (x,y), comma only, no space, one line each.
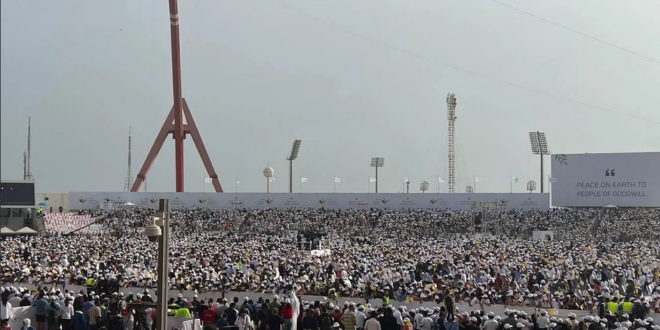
(526,201)
(597,180)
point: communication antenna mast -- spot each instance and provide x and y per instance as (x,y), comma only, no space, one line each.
(451,120)
(129,175)
(27,172)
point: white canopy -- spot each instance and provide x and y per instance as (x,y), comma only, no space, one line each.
(5,230)
(611,206)
(26,230)
(129,204)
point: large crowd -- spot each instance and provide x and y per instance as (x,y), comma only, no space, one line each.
(398,255)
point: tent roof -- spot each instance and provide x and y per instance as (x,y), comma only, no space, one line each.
(26,230)
(5,230)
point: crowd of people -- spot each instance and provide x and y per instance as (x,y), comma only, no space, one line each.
(66,310)
(402,255)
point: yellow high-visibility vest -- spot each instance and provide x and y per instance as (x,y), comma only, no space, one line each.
(627,307)
(171,309)
(182,312)
(613,307)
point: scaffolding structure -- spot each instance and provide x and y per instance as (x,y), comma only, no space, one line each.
(487,218)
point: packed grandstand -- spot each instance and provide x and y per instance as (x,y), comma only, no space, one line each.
(406,255)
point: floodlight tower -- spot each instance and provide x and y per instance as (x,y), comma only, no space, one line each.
(451,120)
(531,186)
(292,156)
(377,162)
(539,147)
(424,186)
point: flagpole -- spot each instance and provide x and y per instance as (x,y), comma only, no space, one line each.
(300,185)
(368,184)
(204,190)
(334,187)
(510,184)
(237,184)
(438,185)
(474,185)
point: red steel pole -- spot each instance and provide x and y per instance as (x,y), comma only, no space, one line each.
(176,84)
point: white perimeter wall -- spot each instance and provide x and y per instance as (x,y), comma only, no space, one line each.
(92,200)
(55,200)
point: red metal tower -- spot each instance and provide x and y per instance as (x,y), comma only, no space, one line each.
(174,122)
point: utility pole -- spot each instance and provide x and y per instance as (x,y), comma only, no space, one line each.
(128,183)
(27,171)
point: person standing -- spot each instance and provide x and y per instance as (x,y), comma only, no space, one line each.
(349,319)
(94,315)
(66,315)
(372,323)
(6,312)
(243,321)
(53,315)
(41,305)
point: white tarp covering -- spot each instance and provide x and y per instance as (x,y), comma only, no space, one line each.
(26,230)
(5,230)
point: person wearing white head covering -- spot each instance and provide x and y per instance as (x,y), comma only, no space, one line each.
(295,303)
(26,325)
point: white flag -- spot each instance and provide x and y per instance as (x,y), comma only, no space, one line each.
(303,180)
(372,180)
(406,180)
(237,182)
(337,180)
(477,179)
(271,179)
(514,179)
(208,180)
(553,180)
(441,180)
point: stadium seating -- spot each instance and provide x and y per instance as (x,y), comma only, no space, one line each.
(62,223)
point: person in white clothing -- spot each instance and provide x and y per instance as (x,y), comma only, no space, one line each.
(543,321)
(66,315)
(6,313)
(491,323)
(243,321)
(295,303)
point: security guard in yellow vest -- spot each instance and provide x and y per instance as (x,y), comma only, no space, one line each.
(183,311)
(626,307)
(613,306)
(91,284)
(172,307)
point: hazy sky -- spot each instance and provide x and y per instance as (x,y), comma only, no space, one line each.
(352,79)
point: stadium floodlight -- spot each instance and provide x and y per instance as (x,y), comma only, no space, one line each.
(377,162)
(295,149)
(424,186)
(539,147)
(531,185)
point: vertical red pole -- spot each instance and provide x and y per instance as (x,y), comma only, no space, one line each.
(176,84)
